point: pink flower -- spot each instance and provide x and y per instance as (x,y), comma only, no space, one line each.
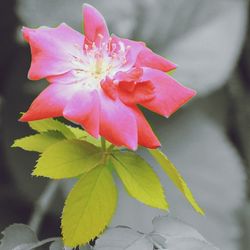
(97,81)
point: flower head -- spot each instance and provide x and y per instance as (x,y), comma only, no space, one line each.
(97,81)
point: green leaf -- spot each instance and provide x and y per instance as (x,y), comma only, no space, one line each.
(139,179)
(39,142)
(175,176)
(67,130)
(171,72)
(52,124)
(89,207)
(68,158)
(83,135)
(78,132)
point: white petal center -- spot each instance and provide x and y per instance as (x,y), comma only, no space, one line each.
(97,63)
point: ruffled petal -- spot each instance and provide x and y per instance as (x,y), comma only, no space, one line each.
(109,88)
(84,109)
(117,123)
(95,28)
(131,75)
(52,50)
(169,94)
(147,58)
(50,103)
(135,93)
(146,136)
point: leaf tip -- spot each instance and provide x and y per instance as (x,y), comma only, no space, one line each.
(35,172)
(165,208)
(14,145)
(200,211)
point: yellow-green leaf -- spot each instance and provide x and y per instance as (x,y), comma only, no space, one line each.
(39,142)
(175,176)
(52,124)
(171,72)
(83,135)
(68,158)
(78,132)
(89,207)
(139,179)
(67,130)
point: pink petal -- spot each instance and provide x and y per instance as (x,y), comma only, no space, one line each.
(146,136)
(50,103)
(133,49)
(84,109)
(135,93)
(147,58)
(52,50)
(109,88)
(169,94)
(95,27)
(65,78)
(130,76)
(118,123)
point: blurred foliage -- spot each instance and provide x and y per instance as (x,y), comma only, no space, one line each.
(168,233)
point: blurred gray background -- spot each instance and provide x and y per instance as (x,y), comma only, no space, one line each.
(208,139)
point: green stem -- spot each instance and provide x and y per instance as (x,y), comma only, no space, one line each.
(103,141)
(111,147)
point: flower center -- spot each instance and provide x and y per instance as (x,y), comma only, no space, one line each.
(97,63)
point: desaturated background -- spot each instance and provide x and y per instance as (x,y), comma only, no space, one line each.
(208,139)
